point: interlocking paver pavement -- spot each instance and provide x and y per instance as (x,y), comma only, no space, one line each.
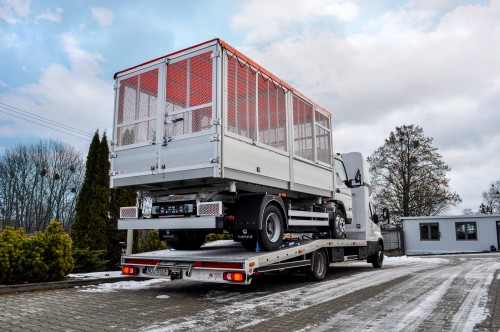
(277,302)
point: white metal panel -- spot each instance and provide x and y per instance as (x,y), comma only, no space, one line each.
(168,223)
(312,175)
(251,159)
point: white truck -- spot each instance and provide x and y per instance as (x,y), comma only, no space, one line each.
(214,143)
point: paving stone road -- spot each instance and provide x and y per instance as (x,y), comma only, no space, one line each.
(445,293)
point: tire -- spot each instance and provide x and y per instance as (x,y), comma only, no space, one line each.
(378,258)
(188,241)
(338,225)
(319,265)
(271,234)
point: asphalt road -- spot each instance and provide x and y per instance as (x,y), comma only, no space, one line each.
(445,293)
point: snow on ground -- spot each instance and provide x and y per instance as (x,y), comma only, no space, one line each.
(244,311)
(123,285)
(95,275)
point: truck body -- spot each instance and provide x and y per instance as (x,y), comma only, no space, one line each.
(214,143)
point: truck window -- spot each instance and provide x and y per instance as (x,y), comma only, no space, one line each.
(340,170)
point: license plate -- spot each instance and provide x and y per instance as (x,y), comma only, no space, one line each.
(159,272)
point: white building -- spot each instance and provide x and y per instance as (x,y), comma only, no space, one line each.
(451,234)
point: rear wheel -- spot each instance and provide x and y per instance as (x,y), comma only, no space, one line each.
(271,234)
(319,265)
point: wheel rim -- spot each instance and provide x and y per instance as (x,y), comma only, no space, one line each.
(273,227)
(340,223)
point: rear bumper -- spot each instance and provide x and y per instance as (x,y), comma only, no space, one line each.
(205,222)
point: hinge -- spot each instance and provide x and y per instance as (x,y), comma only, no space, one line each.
(117,86)
(215,138)
(167,140)
(113,155)
(113,143)
(215,160)
(215,54)
(216,122)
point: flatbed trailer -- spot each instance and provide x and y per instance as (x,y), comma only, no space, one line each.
(228,262)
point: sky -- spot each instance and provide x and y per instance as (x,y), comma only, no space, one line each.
(374,65)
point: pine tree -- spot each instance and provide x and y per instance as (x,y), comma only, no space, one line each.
(88,230)
(118,198)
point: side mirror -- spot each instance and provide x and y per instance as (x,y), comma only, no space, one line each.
(385,214)
(357,177)
(375,218)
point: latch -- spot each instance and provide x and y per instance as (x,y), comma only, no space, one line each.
(215,138)
(167,140)
(215,160)
(216,122)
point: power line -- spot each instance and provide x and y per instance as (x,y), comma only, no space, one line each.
(45,122)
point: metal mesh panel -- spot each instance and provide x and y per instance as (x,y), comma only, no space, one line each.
(189,84)
(128,212)
(272,114)
(241,99)
(138,100)
(188,122)
(323,145)
(210,209)
(232,97)
(200,84)
(302,129)
(176,87)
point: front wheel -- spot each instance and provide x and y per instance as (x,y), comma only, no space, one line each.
(271,234)
(378,258)
(338,225)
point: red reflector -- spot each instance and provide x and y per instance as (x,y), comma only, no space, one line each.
(217,265)
(234,276)
(129,270)
(230,218)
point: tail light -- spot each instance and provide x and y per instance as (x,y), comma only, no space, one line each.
(234,276)
(129,270)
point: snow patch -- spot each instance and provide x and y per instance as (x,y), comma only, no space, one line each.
(96,275)
(122,285)
(162,297)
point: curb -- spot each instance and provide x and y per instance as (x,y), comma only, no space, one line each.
(5,289)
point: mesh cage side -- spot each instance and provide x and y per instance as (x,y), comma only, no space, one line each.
(138,100)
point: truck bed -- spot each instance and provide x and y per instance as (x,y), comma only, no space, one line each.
(213,260)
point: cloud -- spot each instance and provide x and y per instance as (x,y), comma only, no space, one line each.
(51,16)
(267,20)
(10,9)
(424,63)
(3,84)
(74,95)
(102,15)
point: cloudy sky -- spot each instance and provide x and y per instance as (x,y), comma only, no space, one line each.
(374,64)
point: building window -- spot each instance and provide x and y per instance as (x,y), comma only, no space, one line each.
(466,230)
(429,231)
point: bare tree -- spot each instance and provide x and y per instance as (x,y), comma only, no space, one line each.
(409,175)
(491,199)
(38,183)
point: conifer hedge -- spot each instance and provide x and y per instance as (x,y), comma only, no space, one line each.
(45,256)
